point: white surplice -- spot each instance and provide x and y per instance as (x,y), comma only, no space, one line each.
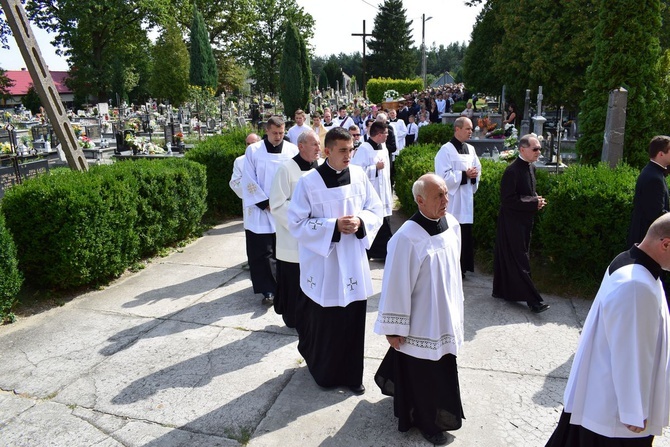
(621,371)
(334,273)
(367,157)
(295,131)
(400,131)
(259,169)
(451,166)
(422,291)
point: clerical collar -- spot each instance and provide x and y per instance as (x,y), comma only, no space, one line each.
(375,146)
(327,124)
(303,164)
(432,226)
(658,164)
(394,120)
(523,159)
(271,148)
(636,256)
(457,144)
(333,178)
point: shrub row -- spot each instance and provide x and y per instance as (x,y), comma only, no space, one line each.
(377,86)
(10,277)
(583,226)
(78,228)
(217,154)
(437,134)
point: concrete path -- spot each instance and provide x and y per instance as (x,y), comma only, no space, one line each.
(183,353)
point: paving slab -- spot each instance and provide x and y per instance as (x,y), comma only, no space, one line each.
(182,353)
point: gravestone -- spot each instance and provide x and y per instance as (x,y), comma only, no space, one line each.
(40,133)
(33,169)
(615,126)
(168,133)
(7,179)
(93,132)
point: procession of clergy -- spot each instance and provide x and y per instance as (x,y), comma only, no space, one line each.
(318,207)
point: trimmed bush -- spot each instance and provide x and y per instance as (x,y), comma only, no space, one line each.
(217,154)
(80,228)
(10,277)
(586,220)
(436,133)
(377,86)
(412,163)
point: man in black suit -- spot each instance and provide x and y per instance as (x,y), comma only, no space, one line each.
(518,204)
(651,191)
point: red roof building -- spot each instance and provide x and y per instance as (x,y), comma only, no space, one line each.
(22,82)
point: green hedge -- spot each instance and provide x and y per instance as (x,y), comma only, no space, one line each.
(10,277)
(586,220)
(435,133)
(80,228)
(217,154)
(583,226)
(377,86)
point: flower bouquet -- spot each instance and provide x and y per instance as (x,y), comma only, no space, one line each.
(76,128)
(497,134)
(391,94)
(86,143)
(5,148)
(509,155)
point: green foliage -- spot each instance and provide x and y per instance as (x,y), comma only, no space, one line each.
(377,86)
(586,219)
(203,71)
(478,60)
(617,63)
(487,204)
(10,277)
(5,84)
(391,43)
(100,38)
(412,163)
(291,75)
(31,100)
(169,79)
(79,228)
(263,42)
(436,134)
(218,153)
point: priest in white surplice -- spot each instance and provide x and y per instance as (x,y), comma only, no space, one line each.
(260,164)
(458,164)
(334,214)
(373,157)
(421,314)
(283,185)
(618,391)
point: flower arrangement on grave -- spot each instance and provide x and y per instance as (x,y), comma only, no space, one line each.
(76,128)
(509,155)
(134,124)
(5,148)
(7,117)
(178,137)
(392,94)
(85,142)
(497,134)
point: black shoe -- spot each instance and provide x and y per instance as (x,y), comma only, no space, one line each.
(538,307)
(268,299)
(437,439)
(357,390)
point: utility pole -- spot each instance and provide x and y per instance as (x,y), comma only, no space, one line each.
(423,48)
(364,35)
(44,83)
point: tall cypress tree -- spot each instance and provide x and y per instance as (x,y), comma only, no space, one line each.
(306,69)
(169,79)
(627,55)
(203,70)
(391,43)
(292,72)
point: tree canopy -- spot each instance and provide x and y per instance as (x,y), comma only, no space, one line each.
(169,79)
(294,73)
(203,71)
(391,43)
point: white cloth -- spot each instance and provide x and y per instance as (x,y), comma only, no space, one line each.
(621,371)
(347,120)
(283,185)
(367,157)
(422,291)
(441,105)
(400,130)
(236,182)
(295,131)
(423,123)
(259,170)
(334,273)
(450,165)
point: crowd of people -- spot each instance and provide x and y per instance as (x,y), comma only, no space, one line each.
(317,205)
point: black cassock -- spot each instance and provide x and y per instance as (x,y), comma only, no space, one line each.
(511,258)
(649,203)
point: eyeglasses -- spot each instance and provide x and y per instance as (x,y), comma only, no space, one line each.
(355,135)
(536,149)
